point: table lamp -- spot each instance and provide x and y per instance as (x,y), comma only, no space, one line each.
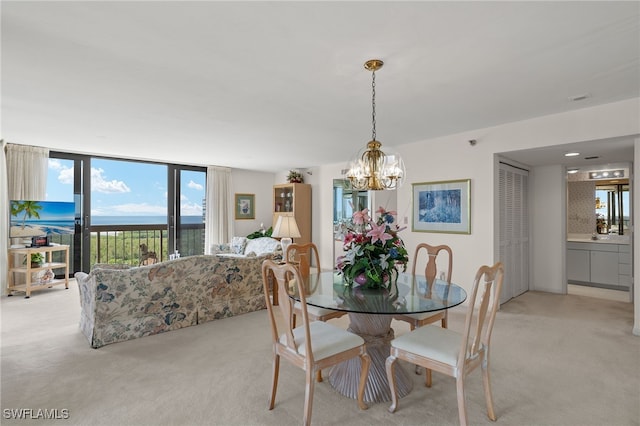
(286,228)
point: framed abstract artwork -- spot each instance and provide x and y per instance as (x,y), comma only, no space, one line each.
(245,206)
(442,207)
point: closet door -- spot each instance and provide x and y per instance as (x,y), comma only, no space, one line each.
(514,230)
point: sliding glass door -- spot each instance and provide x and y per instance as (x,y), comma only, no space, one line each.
(130,212)
(186,215)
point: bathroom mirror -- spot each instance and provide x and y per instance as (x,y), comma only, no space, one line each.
(612,207)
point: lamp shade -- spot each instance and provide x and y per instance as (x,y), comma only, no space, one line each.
(286,227)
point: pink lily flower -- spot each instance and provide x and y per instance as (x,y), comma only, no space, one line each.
(378,233)
(361,217)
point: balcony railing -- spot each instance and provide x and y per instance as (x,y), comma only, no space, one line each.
(114,244)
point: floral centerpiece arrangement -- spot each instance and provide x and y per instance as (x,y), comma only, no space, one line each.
(373,250)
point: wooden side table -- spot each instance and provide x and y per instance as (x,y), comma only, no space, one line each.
(20,264)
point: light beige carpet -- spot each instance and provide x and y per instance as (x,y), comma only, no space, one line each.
(556,360)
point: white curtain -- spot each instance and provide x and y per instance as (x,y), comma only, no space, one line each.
(4,219)
(218,227)
(28,167)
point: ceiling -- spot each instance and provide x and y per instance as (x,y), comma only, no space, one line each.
(278,85)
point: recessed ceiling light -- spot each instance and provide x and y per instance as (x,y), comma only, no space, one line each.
(571,171)
(572,154)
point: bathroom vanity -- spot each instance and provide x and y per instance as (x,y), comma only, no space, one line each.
(604,262)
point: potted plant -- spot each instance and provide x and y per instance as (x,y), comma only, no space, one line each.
(294,177)
(37,259)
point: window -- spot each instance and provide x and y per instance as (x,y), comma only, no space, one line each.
(124,204)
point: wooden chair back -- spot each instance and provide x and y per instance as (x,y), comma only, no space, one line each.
(431,268)
(305,256)
(284,275)
(484,302)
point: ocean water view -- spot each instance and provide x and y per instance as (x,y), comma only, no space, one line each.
(59,227)
(141,220)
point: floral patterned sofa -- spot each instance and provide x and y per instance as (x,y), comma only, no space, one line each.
(120,303)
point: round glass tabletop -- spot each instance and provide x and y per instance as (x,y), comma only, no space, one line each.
(412,294)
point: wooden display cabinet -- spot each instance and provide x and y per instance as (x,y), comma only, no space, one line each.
(294,199)
(20,266)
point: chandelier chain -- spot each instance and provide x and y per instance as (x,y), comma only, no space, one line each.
(373,105)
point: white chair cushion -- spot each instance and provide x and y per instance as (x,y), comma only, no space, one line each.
(314,311)
(326,340)
(434,342)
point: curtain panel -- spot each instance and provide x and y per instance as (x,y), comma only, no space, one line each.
(219,215)
(27,167)
(4,219)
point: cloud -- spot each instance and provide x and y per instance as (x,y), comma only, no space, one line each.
(100,184)
(55,164)
(190,209)
(194,185)
(65,174)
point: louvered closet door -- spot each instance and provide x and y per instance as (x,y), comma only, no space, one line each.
(514,230)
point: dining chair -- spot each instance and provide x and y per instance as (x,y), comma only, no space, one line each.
(453,353)
(313,345)
(430,273)
(301,256)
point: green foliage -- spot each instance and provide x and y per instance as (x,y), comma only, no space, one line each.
(36,259)
(123,247)
(259,233)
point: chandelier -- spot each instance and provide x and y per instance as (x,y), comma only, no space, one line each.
(372,169)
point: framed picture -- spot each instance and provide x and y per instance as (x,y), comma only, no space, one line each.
(245,206)
(442,207)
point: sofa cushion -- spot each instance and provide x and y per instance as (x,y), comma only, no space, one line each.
(261,246)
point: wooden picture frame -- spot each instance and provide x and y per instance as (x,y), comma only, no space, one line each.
(245,206)
(443,207)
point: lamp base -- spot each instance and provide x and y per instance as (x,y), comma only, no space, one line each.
(285,242)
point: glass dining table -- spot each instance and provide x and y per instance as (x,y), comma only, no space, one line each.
(370,314)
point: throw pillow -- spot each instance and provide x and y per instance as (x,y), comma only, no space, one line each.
(238,244)
(220,248)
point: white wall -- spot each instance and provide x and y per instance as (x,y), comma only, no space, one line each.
(452,157)
(547,209)
(260,184)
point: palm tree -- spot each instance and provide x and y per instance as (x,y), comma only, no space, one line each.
(30,209)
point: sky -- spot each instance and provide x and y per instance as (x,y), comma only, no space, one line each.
(126,188)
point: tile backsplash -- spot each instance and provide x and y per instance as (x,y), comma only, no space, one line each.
(581,210)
